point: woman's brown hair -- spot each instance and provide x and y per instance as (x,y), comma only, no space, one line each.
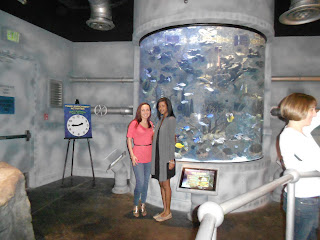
(296,106)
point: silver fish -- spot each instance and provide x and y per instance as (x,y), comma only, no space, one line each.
(178,88)
(203,124)
(209,89)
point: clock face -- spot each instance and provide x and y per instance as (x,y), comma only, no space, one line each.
(78,125)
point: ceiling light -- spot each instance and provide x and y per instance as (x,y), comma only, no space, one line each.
(301,12)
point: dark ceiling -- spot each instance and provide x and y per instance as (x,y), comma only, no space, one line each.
(67,18)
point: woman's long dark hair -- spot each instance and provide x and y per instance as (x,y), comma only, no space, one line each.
(138,117)
(169,107)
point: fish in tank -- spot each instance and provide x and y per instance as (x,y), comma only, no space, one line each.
(214,77)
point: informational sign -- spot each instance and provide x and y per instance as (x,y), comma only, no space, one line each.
(6,90)
(6,105)
(198,180)
(13,36)
(77,121)
(6,99)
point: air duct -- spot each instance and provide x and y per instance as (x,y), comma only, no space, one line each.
(101,17)
(300,12)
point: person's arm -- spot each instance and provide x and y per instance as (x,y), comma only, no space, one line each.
(134,159)
(172,132)
(152,126)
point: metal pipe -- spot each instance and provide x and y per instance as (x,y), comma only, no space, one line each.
(207,226)
(122,80)
(243,199)
(102,110)
(284,78)
(290,211)
(101,17)
(27,136)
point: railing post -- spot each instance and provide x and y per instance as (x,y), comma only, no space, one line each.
(214,236)
(211,216)
(290,203)
(290,211)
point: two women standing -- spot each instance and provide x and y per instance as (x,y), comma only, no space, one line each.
(157,158)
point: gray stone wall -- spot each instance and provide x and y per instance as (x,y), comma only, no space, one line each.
(295,57)
(28,66)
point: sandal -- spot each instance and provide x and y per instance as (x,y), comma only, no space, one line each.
(162,219)
(136,211)
(143,209)
(156,216)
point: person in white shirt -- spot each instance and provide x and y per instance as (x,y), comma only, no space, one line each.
(301,152)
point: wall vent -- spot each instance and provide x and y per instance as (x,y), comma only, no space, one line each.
(56,91)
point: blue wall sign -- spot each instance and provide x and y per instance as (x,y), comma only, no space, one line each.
(6,105)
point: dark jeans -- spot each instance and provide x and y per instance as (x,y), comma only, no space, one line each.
(306,217)
(142,172)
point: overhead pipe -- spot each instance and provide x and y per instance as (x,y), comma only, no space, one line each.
(84,79)
(293,78)
(101,17)
(101,110)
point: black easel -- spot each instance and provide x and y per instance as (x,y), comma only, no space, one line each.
(65,161)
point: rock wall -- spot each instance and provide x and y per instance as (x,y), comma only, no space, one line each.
(15,214)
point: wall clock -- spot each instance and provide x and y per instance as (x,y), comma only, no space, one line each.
(78,125)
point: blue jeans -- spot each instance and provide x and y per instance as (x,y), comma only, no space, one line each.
(306,217)
(142,172)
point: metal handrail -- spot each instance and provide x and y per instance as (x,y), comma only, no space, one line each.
(27,136)
(211,214)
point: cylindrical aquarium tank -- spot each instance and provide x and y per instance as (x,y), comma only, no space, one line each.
(212,60)
(214,77)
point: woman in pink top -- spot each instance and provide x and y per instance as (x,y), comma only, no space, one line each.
(140,130)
